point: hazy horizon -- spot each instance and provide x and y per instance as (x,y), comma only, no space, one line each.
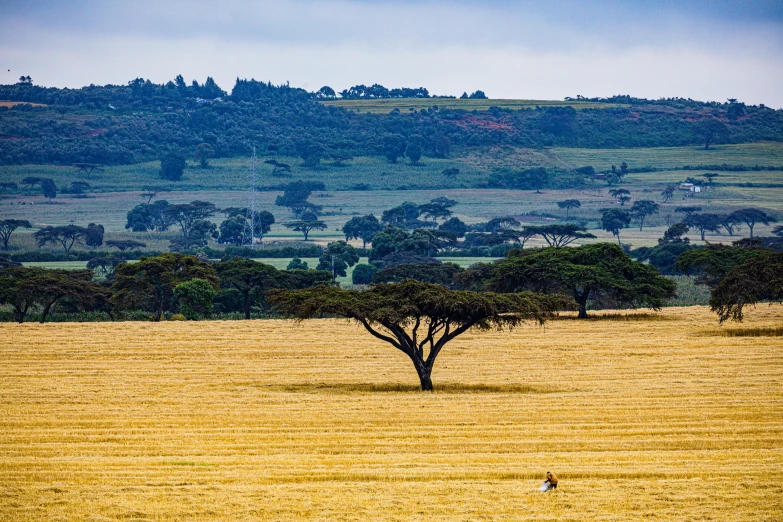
(707,51)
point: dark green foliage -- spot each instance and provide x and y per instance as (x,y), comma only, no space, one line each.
(146,130)
(105,264)
(364,228)
(418,318)
(613,220)
(149,283)
(663,256)
(337,257)
(195,298)
(751,216)
(568,204)
(295,196)
(305,226)
(559,235)
(363,274)
(172,166)
(437,273)
(192,219)
(703,223)
(8,226)
(48,188)
(232,230)
(600,272)
(643,208)
(455,226)
(150,218)
(204,152)
(760,278)
(26,288)
(93,236)
(297,264)
(65,235)
(395,240)
(394,146)
(711,264)
(674,234)
(711,131)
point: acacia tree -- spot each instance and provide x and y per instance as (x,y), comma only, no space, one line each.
(65,235)
(8,226)
(613,220)
(643,208)
(337,257)
(192,219)
(703,223)
(559,235)
(125,244)
(149,218)
(246,276)
(362,227)
(757,279)
(417,318)
(751,216)
(149,283)
(307,224)
(568,204)
(23,288)
(583,273)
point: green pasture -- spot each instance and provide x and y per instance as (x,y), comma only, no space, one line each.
(749,154)
(386,105)
(376,173)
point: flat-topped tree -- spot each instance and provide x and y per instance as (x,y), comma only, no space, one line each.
(751,216)
(417,318)
(125,244)
(643,208)
(25,288)
(88,168)
(568,204)
(362,227)
(757,279)
(613,220)
(8,226)
(583,273)
(307,224)
(560,235)
(65,235)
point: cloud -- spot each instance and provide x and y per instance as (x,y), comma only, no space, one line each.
(508,49)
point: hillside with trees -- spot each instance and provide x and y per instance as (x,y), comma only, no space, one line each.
(144,121)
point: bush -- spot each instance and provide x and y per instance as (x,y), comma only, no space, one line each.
(362,274)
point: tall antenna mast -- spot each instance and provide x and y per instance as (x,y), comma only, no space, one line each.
(251,216)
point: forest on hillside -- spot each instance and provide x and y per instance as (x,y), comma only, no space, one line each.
(144,121)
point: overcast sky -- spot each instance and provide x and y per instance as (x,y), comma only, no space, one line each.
(706,50)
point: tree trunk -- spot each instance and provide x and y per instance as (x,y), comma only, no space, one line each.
(751,229)
(425,374)
(47,309)
(581,301)
(247,304)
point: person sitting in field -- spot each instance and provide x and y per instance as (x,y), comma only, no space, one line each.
(550,482)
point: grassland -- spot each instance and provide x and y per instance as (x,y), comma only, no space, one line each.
(269,420)
(386,105)
(475,165)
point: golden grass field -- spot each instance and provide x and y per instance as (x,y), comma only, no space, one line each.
(656,419)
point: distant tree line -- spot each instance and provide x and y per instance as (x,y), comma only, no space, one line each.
(143,121)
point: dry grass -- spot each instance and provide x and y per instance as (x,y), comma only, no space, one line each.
(265,420)
(750,332)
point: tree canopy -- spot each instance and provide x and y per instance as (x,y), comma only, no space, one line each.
(757,279)
(149,283)
(599,272)
(417,318)
(8,226)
